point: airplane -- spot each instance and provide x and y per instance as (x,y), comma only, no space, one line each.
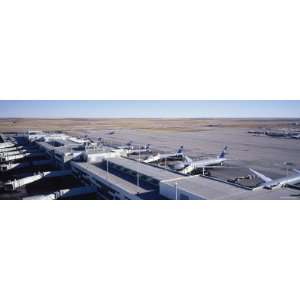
(288,135)
(270,183)
(295,136)
(189,165)
(157,157)
(144,149)
(276,134)
(128,146)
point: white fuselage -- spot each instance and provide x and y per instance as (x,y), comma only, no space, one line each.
(207,162)
(138,151)
(125,148)
(162,156)
(200,164)
(280,182)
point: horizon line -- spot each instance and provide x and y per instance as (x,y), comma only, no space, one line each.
(174,117)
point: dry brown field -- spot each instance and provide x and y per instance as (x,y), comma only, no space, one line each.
(147,124)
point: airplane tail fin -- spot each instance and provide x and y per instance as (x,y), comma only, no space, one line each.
(223,153)
(180,150)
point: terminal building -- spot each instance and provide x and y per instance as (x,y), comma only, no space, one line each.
(111,173)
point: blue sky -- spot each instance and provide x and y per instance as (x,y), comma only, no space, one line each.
(98,109)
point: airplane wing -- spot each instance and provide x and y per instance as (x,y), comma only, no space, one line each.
(187,159)
(165,155)
(152,158)
(261,176)
(293,186)
(297,171)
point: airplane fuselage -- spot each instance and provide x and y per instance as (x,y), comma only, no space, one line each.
(208,162)
(163,156)
(280,182)
(200,164)
(137,151)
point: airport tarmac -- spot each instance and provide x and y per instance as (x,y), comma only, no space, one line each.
(266,154)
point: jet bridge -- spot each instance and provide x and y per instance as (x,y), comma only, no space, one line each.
(9,149)
(188,169)
(17,183)
(6,145)
(20,156)
(65,193)
(20,165)
(21,151)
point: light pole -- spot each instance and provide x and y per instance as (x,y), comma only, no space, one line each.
(176,191)
(138,172)
(139,153)
(106,168)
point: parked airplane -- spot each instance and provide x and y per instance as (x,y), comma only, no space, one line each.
(189,165)
(296,136)
(157,157)
(288,135)
(270,183)
(128,146)
(144,149)
(276,134)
